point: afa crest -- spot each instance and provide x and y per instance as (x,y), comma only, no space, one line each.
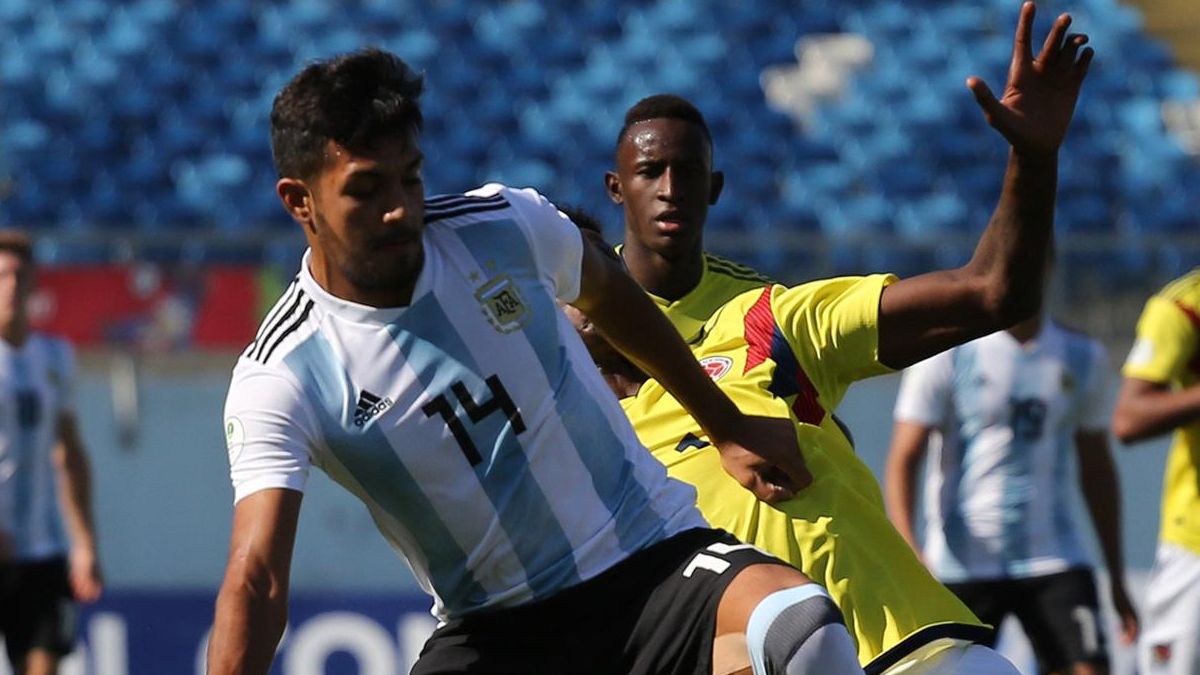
(501,302)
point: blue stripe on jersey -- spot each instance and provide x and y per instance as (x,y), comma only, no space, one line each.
(958,541)
(435,351)
(598,445)
(26,455)
(1079,365)
(1017,474)
(370,459)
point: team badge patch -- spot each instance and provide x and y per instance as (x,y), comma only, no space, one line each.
(501,302)
(1161,652)
(235,436)
(716,366)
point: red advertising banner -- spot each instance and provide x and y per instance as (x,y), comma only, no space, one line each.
(149,307)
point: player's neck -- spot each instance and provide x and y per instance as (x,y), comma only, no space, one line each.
(1028,329)
(324,273)
(623,384)
(667,278)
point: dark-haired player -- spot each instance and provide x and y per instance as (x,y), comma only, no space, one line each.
(420,360)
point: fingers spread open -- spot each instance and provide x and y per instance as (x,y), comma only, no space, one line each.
(1054,40)
(1023,43)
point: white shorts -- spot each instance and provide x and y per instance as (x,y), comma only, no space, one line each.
(953,657)
(1171,617)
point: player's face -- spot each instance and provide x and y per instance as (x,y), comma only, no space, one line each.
(368,212)
(16,282)
(665,182)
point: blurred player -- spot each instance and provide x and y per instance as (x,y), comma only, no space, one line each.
(420,360)
(1006,412)
(1161,393)
(43,472)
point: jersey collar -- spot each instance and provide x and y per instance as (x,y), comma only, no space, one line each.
(353,311)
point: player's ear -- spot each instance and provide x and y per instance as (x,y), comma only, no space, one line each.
(612,185)
(297,200)
(715,187)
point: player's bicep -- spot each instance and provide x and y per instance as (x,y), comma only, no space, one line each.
(263,535)
(928,314)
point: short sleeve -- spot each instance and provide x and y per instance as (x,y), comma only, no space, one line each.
(555,241)
(269,431)
(925,389)
(1166,342)
(1096,407)
(833,326)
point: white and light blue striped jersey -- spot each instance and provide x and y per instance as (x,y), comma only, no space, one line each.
(35,390)
(472,423)
(1000,472)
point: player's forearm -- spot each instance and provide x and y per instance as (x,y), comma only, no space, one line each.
(627,318)
(75,484)
(246,630)
(1102,493)
(1010,259)
(899,496)
(1152,412)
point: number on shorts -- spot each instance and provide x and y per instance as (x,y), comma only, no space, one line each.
(1088,630)
(707,561)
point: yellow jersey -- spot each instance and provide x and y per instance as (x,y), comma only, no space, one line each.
(793,352)
(1166,352)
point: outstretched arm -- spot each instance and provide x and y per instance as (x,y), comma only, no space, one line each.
(1102,492)
(760,453)
(75,490)
(909,441)
(252,604)
(1002,283)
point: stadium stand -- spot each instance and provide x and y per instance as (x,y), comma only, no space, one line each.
(149,117)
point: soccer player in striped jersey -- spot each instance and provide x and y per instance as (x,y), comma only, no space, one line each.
(1160,394)
(420,360)
(44,567)
(665,182)
(1005,414)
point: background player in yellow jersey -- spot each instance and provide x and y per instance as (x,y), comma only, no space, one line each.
(1161,393)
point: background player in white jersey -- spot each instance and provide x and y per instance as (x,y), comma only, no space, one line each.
(420,360)
(1005,413)
(43,471)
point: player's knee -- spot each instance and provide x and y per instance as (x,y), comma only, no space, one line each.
(799,630)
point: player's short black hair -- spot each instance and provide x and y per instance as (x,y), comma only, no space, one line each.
(661,106)
(349,99)
(17,242)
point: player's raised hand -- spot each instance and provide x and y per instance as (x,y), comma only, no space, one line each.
(86,581)
(764,457)
(1039,99)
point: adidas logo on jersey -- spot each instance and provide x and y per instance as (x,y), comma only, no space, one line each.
(369,405)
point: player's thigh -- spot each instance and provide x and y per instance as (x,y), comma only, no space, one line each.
(1061,617)
(990,600)
(751,585)
(1171,614)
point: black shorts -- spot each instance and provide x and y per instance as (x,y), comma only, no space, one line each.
(654,613)
(1060,614)
(37,610)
